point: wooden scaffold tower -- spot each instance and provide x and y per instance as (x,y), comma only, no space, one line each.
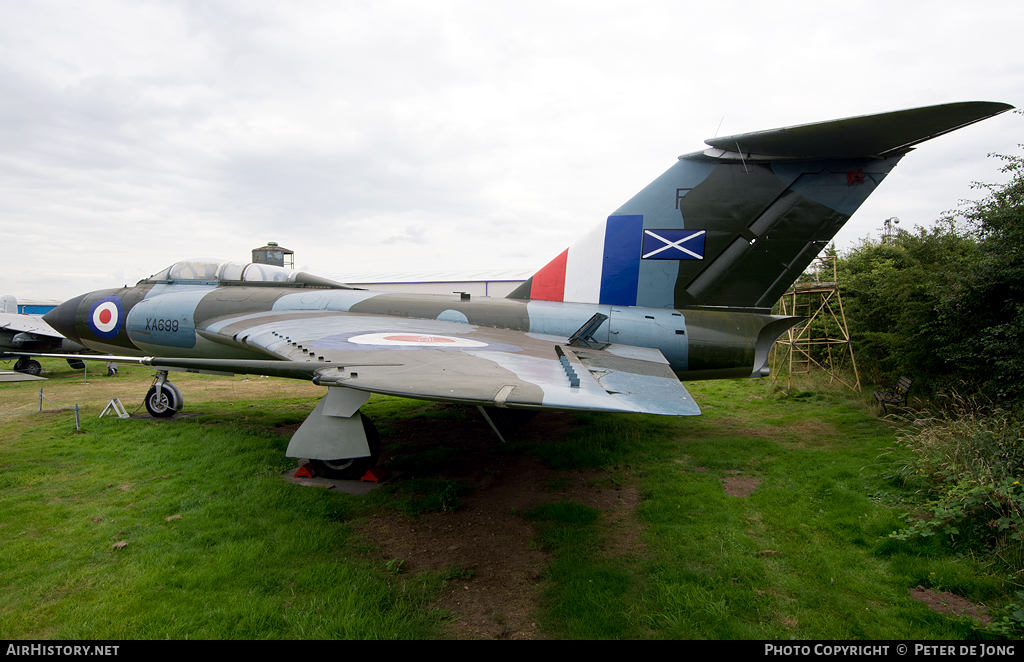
(823,340)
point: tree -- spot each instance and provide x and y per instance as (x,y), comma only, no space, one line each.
(983,317)
(945,305)
(892,290)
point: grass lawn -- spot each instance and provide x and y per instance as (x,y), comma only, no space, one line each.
(147,529)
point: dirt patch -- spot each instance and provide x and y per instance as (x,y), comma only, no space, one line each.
(945,602)
(801,433)
(740,486)
(485,546)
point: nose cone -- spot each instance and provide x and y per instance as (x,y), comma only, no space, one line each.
(62,318)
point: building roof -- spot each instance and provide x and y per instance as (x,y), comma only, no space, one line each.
(440,276)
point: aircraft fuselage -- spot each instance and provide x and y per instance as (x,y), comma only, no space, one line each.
(182,320)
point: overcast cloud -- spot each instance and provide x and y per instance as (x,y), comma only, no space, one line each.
(448,135)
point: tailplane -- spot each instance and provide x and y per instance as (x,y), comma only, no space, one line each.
(736,224)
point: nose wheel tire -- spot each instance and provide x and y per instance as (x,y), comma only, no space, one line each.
(352,468)
(165,404)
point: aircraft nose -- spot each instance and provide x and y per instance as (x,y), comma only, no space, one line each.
(62,318)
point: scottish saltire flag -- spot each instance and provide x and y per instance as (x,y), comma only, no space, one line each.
(673,245)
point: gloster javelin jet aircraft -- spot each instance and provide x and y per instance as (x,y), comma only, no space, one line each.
(677,283)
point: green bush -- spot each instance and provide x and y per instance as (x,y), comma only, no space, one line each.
(972,461)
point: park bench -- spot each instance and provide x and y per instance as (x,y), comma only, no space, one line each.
(896,396)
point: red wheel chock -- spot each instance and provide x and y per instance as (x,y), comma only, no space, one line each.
(375,475)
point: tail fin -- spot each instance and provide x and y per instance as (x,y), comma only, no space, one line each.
(736,224)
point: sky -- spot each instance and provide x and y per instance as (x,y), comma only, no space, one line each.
(401,136)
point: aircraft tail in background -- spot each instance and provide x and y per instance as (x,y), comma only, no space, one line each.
(736,224)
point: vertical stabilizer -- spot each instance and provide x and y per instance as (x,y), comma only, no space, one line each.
(736,224)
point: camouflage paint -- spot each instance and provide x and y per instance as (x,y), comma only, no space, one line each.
(755,220)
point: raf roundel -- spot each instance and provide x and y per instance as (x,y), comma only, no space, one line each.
(105,317)
(421,340)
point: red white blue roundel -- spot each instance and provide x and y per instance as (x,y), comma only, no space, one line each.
(407,339)
(105,317)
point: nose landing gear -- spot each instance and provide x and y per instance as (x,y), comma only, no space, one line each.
(163,399)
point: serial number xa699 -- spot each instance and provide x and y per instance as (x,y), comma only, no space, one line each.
(161,325)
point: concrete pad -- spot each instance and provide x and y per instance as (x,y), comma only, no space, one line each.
(11,376)
(356,487)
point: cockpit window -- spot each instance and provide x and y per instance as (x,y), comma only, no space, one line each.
(215,271)
(265,273)
(194,270)
(231,271)
(160,277)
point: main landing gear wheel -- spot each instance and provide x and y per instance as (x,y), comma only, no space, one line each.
(28,366)
(352,468)
(167,403)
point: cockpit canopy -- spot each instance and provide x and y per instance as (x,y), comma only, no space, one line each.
(217,272)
